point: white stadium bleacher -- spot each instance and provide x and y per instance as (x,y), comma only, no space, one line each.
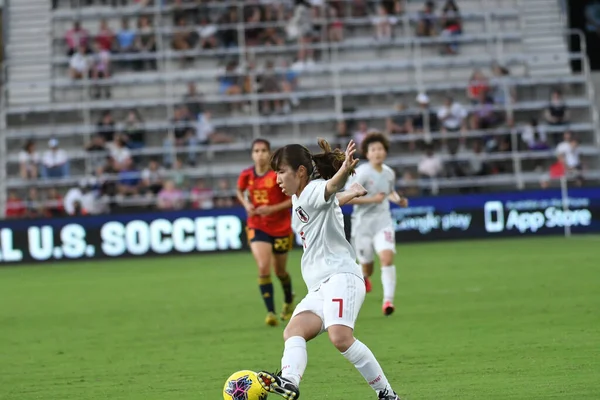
(357,79)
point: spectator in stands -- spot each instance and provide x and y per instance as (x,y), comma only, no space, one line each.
(478,165)
(55,161)
(153,177)
(556,171)
(75,38)
(224,197)
(129,182)
(300,27)
(193,100)
(133,131)
(483,115)
(430,167)
(335,31)
(253,31)
(534,136)
(383,23)
(501,92)
(121,154)
(182,134)
(145,42)
(100,69)
(206,32)
(177,174)
(126,41)
(453,116)
(556,113)
(569,147)
(81,199)
(229,35)
(29,160)
(184,39)
(426,118)
(360,8)
(230,83)
(206,133)
(105,38)
(201,196)
(106,128)
(451,27)
(15,206)
(270,83)
(478,85)
(97,151)
(79,64)
(427,20)
(54,203)
(170,197)
(398,123)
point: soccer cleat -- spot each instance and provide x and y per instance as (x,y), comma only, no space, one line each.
(275,383)
(271,319)
(388,308)
(368,285)
(287,311)
(386,395)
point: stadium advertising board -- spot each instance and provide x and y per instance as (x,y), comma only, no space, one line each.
(185,232)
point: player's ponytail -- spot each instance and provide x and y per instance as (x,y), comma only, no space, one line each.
(323,165)
(329,161)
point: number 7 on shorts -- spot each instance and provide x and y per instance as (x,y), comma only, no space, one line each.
(341,306)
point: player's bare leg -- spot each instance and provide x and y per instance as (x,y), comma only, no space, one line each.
(363,359)
(367,272)
(262,255)
(279,263)
(388,280)
(302,328)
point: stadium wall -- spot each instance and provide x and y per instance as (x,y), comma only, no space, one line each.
(198,231)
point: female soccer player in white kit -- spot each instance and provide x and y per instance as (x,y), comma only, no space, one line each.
(372,225)
(336,289)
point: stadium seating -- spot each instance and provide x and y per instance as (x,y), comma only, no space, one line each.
(357,79)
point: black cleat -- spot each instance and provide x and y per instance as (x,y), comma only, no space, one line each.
(386,395)
(274,383)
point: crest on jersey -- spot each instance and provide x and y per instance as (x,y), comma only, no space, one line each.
(302,214)
(269,183)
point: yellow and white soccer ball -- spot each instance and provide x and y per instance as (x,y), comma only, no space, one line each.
(243,385)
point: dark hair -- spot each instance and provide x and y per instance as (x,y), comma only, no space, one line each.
(374,137)
(323,165)
(263,141)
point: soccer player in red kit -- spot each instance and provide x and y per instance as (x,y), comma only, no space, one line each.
(269,227)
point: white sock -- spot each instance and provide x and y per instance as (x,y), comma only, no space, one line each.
(294,360)
(366,363)
(388,279)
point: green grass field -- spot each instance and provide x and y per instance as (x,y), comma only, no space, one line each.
(504,319)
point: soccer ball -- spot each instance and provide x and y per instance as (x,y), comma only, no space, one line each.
(243,385)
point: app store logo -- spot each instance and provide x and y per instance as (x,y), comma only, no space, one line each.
(493,214)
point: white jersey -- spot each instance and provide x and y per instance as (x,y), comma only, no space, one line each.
(320,224)
(372,218)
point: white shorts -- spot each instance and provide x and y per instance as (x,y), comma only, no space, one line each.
(366,245)
(336,302)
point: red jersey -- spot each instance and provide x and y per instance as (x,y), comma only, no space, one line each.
(263,190)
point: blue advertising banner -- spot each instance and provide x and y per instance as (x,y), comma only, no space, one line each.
(197,231)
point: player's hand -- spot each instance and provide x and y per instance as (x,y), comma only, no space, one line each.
(263,210)
(350,162)
(357,190)
(403,202)
(379,197)
(250,210)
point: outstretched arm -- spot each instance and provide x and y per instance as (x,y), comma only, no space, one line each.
(352,194)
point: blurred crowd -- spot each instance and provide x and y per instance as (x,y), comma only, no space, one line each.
(120,176)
